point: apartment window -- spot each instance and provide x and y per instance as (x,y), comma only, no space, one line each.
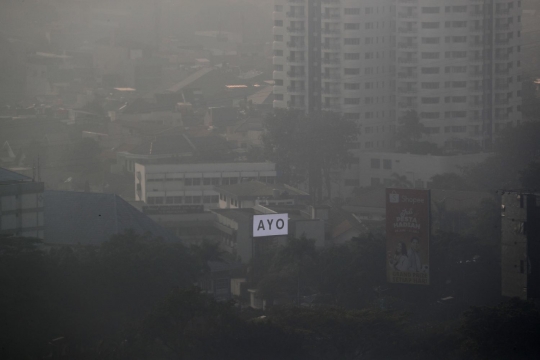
(430,10)
(430,100)
(352,101)
(352,116)
(430,70)
(177,199)
(432,130)
(352,182)
(352,26)
(369,10)
(151,200)
(352,86)
(197,199)
(278,67)
(352,56)
(169,200)
(375,163)
(430,25)
(430,85)
(351,41)
(430,115)
(387,164)
(369,55)
(455,69)
(188,200)
(159,200)
(369,25)
(278,37)
(215,181)
(207,199)
(234,181)
(431,40)
(351,71)
(278,52)
(278,82)
(188,182)
(278,22)
(430,55)
(278,97)
(459,84)
(207,181)
(351,11)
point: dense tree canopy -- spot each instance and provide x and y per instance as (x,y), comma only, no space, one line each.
(308,148)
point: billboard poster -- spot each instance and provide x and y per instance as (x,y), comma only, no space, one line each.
(407,236)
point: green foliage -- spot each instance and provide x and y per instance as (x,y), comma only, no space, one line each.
(337,333)
(308,147)
(530,177)
(448,181)
(192,325)
(507,331)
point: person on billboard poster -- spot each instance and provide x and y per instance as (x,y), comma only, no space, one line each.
(400,261)
(415,265)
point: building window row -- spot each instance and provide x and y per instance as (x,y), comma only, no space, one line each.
(178,200)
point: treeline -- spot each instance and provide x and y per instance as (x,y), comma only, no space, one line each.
(133,298)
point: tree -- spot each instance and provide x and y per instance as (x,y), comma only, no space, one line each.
(530,177)
(192,325)
(308,147)
(448,181)
(337,333)
(506,331)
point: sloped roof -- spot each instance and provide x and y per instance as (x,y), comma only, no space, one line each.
(252,189)
(10,176)
(92,218)
(164,145)
(263,96)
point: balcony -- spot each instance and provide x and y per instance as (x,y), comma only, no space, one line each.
(296,30)
(296,59)
(295,45)
(331,46)
(476,74)
(296,89)
(407,75)
(407,30)
(408,90)
(296,1)
(411,60)
(295,105)
(407,15)
(332,107)
(334,62)
(332,91)
(407,45)
(296,74)
(502,27)
(331,77)
(296,15)
(331,31)
(331,16)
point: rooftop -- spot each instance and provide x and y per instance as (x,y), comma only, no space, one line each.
(254,189)
(8,176)
(236,214)
(92,218)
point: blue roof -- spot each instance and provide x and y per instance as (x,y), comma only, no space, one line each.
(10,176)
(92,218)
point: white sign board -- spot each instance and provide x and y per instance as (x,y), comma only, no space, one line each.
(270,225)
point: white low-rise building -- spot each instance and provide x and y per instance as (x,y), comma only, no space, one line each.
(191,184)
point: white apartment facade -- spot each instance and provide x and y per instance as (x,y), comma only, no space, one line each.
(455,63)
(193,184)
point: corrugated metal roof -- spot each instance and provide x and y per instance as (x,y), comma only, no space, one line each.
(10,176)
(92,218)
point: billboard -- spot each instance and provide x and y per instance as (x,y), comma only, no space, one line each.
(270,225)
(407,236)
